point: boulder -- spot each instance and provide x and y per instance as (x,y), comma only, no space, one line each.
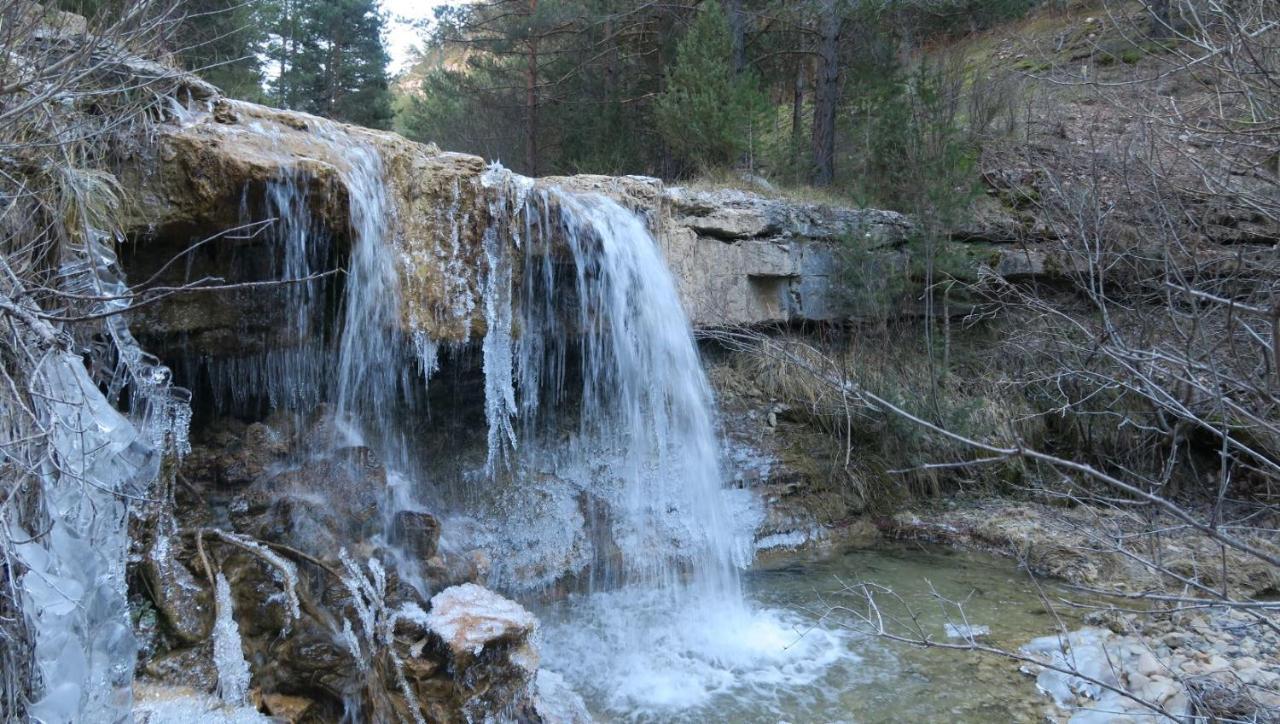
(469,618)
(182,600)
(416,532)
(490,663)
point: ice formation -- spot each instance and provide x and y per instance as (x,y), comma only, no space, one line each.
(228,654)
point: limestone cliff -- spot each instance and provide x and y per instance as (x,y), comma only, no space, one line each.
(740,258)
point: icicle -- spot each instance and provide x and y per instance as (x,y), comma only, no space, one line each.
(228,653)
(285,569)
(428,352)
(499,373)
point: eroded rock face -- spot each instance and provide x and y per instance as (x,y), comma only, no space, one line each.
(461,655)
(207,172)
(740,258)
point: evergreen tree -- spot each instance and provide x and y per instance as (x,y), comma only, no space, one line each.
(343,63)
(221,40)
(707,112)
(329,59)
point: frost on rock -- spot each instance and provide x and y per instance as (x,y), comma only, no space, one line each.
(228,654)
(556,702)
(179,705)
(469,617)
(287,571)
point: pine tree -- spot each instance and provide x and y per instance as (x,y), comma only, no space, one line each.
(706,114)
(221,40)
(345,63)
(328,58)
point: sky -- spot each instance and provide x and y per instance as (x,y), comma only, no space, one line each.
(401,35)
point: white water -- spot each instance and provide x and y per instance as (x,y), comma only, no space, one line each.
(641,453)
(614,408)
(646,656)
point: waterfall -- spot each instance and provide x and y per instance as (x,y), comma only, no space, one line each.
(599,466)
(642,447)
(609,469)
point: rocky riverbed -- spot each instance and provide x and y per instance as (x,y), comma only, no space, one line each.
(1152,638)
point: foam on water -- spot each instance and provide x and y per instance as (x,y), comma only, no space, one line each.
(642,655)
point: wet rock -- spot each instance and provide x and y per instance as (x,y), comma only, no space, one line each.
(289,709)
(417,533)
(191,666)
(484,642)
(468,618)
(308,658)
(233,455)
(182,600)
(317,506)
(557,703)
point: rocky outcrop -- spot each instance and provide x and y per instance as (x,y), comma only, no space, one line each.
(740,258)
(744,259)
(206,174)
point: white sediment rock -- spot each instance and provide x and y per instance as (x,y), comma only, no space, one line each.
(965,631)
(556,702)
(1122,676)
(469,617)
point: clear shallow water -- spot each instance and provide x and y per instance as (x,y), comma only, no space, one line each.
(785,656)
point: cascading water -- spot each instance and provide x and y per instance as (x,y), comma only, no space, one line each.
(615,412)
(601,471)
(627,437)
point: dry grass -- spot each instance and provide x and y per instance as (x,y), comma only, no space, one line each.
(884,459)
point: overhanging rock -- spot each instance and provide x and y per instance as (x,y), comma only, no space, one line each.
(739,258)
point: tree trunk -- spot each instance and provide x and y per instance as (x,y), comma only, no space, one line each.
(826,92)
(797,121)
(531,103)
(738,31)
(1160,18)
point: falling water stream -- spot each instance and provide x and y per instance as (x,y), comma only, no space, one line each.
(598,488)
(602,462)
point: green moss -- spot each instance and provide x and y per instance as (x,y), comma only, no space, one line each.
(1132,56)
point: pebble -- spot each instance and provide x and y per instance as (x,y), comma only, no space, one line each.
(1147,664)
